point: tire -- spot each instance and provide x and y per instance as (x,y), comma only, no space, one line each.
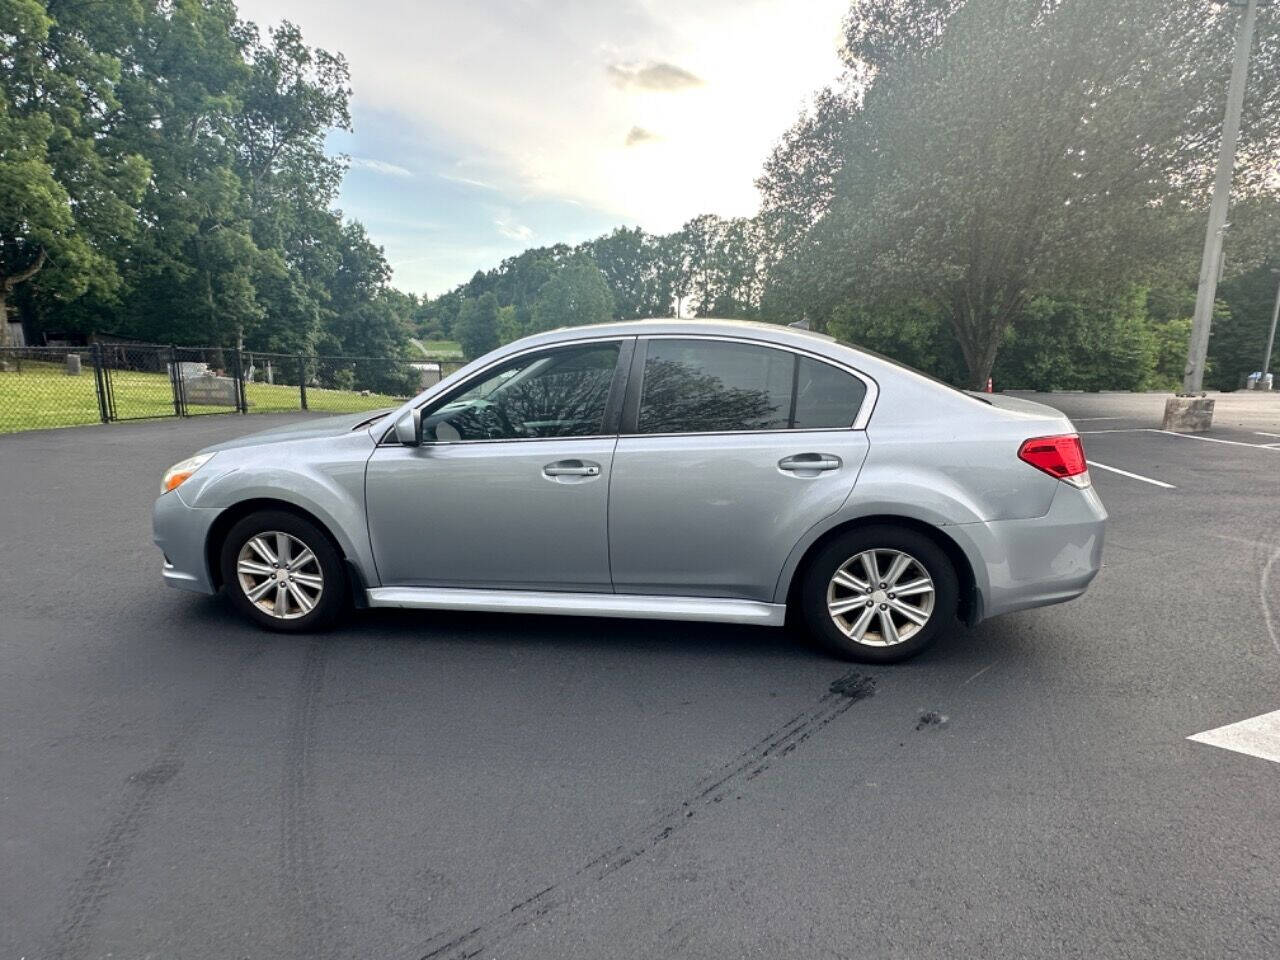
(319,578)
(835,610)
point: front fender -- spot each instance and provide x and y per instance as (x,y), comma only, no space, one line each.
(325,478)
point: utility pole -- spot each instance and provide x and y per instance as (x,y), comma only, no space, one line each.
(1271,337)
(1193,379)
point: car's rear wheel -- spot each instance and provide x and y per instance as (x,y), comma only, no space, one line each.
(879,594)
(282,572)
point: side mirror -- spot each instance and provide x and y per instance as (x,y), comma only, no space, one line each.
(409,428)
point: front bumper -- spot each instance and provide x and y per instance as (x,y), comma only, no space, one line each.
(181,532)
(1032,563)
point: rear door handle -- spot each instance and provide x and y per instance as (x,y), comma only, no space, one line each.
(572,468)
(806,462)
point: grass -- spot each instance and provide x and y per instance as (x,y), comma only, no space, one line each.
(42,396)
(440,349)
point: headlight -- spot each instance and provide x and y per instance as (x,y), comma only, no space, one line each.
(178,473)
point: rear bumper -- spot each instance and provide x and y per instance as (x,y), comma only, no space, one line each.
(1032,563)
(180,532)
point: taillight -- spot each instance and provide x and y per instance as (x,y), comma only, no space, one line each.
(1061,457)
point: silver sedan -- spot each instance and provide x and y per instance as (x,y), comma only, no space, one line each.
(668,469)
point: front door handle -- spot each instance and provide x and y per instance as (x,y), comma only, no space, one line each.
(572,468)
(810,463)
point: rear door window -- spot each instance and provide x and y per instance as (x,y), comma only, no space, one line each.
(710,386)
(703,386)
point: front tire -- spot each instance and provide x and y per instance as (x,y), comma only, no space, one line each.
(879,594)
(283,573)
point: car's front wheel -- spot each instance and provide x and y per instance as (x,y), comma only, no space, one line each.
(879,594)
(282,572)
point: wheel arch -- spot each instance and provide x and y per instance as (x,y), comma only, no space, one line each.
(233,514)
(970,598)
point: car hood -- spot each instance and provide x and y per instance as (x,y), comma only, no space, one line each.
(306,430)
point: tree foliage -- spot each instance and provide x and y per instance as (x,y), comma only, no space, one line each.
(991,185)
(476,328)
(68,188)
(1003,149)
(575,296)
(164,170)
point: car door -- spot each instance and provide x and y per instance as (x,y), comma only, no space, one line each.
(730,451)
(509,488)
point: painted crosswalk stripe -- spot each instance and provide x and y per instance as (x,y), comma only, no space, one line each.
(1258,736)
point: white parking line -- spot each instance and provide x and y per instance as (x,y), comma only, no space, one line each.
(1234,443)
(1191,436)
(1131,476)
(1083,419)
(1258,736)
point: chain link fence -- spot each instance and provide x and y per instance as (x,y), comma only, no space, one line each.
(105,382)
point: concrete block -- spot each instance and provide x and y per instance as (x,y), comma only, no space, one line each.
(1188,414)
(73,364)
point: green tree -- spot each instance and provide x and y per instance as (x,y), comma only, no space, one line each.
(476,329)
(912,332)
(1240,326)
(577,295)
(631,261)
(68,189)
(219,132)
(1080,342)
(434,319)
(509,327)
(1004,149)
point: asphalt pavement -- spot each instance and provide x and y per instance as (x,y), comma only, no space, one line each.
(176,784)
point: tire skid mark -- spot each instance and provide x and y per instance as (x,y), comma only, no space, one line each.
(111,853)
(478,936)
(301,856)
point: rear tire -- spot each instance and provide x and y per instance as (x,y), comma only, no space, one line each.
(283,573)
(850,604)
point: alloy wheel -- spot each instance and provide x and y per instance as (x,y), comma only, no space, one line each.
(280,575)
(880,597)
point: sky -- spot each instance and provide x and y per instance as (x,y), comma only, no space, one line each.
(483,127)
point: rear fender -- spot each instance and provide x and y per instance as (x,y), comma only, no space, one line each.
(881,498)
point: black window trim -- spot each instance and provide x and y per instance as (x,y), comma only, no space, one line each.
(635,387)
(612,404)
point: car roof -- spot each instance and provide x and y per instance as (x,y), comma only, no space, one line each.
(700,326)
(649,325)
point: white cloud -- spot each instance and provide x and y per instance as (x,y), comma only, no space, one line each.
(467,181)
(545,94)
(380,166)
(506,225)
(651,75)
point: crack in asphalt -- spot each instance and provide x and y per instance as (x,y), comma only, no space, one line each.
(468,939)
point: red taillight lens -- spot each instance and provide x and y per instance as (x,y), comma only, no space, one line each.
(1061,457)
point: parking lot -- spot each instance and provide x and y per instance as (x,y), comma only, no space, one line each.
(176,784)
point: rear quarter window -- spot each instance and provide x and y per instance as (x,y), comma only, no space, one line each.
(826,396)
